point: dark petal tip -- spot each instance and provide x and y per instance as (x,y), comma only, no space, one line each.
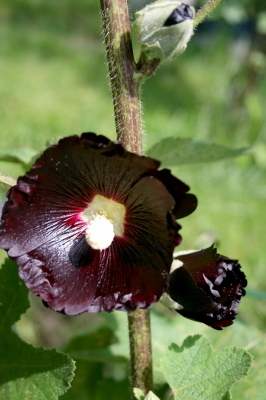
(179,15)
(185,203)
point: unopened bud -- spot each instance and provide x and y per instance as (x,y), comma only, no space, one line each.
(164,28)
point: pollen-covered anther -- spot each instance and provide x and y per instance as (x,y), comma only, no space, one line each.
(105,218)
(100,233)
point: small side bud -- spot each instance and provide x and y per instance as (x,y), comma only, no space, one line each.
(164,28)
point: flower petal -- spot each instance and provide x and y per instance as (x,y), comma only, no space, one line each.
(185,203)
(43,229)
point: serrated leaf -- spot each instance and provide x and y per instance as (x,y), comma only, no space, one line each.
(31,373)
(253,387)
(195,371)
(239,334)
(176,151)
(26,372)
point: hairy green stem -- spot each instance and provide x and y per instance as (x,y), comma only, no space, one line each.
(140,349)
(125,84)
(206,10)
(126,78)
(6,180)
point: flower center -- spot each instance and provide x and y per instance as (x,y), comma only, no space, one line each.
(105,220)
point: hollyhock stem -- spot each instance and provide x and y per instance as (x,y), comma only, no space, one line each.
(140,349)
(6,180)
(206,10)
(126,78)
(125,83)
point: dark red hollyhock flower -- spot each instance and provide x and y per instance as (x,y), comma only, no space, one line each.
(208,286)
(93,227)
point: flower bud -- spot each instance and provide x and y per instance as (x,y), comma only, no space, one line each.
(164,28)
(207,287)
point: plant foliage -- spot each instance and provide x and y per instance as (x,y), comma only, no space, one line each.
(26,372)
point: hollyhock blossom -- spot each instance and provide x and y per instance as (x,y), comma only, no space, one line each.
(207,287)
(93,227)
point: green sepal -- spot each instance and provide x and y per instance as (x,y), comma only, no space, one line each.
(159,41)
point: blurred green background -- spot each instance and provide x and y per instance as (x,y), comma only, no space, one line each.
(53,83)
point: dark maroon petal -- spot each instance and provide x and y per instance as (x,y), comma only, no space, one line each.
(185,203)
(43,230)
(209,287)
(61,184)
(116,278)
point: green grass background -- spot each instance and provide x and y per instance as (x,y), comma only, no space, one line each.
(53,83)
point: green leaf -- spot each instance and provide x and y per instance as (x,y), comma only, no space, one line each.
(106,344)
(227,396)
(13,296)
(94,346)
(22,156)
(151,396)
(257,294)
(253,387)
(176,151)
(99,338)
(177,329)
(138,393)
(92,383)
(194,369)
(26,372)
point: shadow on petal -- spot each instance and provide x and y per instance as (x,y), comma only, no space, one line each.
(81,254)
